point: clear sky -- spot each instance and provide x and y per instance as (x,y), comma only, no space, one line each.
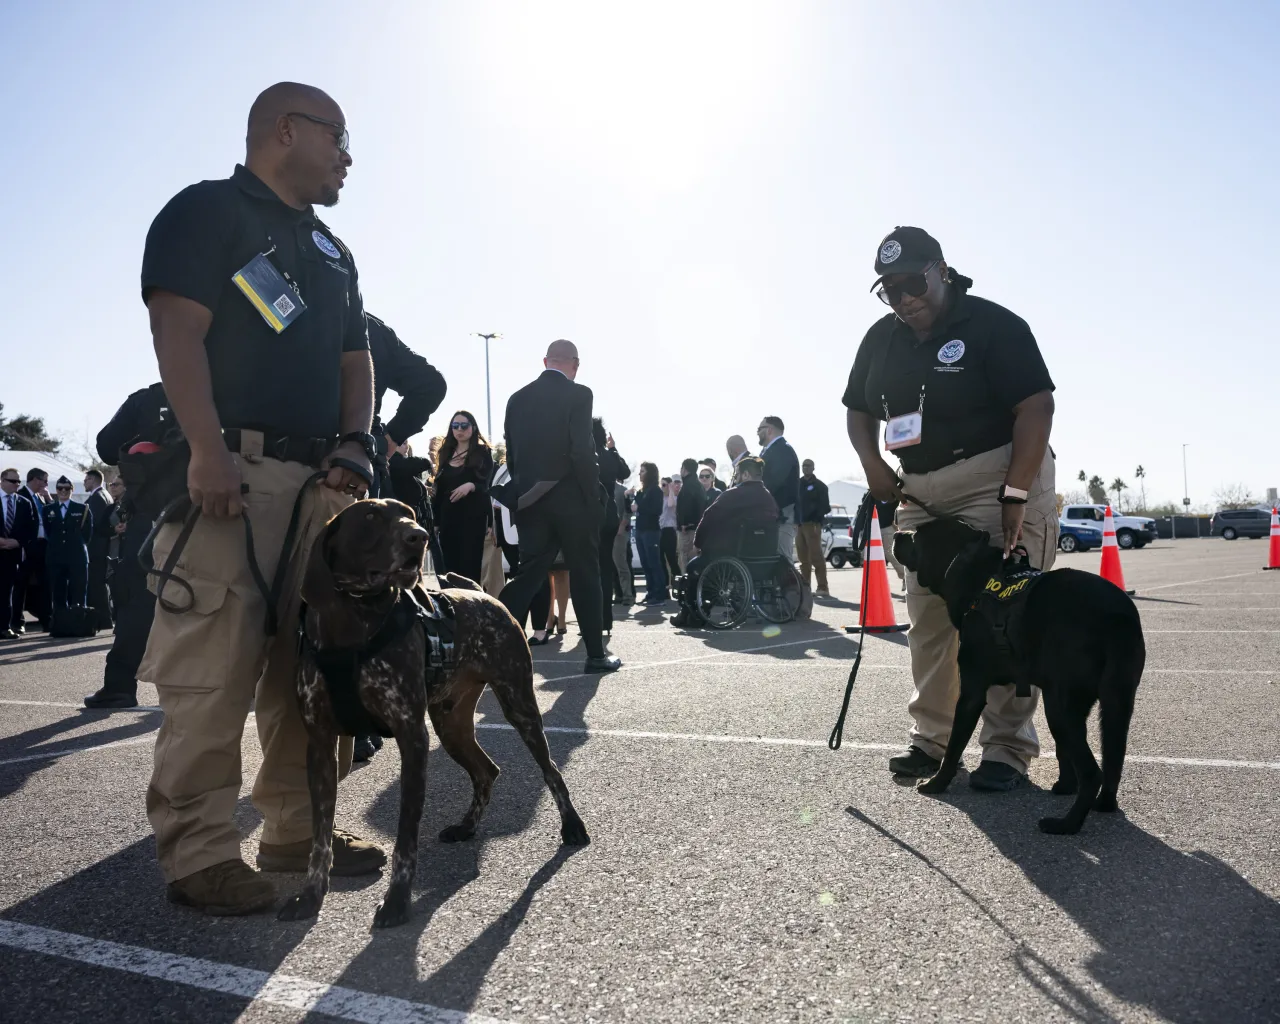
(694,194)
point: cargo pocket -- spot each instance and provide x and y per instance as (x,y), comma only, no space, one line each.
(1040,537)
(189,650)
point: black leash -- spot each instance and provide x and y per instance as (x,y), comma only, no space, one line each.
(837,733)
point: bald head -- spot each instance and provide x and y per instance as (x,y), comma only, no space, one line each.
(563,356)
(735,446)
(296,141)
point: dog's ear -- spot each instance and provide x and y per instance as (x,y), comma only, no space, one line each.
(904,548)
(318,587)
(401,508)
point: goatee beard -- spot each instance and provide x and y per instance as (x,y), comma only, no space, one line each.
(329,196)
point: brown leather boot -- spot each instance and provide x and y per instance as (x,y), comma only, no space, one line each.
(351,855)
(226,889)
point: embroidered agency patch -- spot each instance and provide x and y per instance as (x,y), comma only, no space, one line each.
(890,251)
(325,246)
(951,352)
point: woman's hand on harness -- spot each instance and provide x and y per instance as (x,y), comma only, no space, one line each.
(213,482)
(348,481)
(882,481)
(1011,516)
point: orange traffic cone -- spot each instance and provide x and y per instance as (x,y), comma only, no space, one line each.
(875,613)
(1111,554)
(1273,559)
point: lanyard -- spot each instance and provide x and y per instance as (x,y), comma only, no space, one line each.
(885,404)
(275,262)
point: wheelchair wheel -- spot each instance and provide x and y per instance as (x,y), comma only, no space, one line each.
(778,597)
(724,593)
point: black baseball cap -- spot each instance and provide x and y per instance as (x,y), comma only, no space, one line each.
(906,250)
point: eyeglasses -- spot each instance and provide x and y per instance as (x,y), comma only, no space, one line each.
(10,479)
(460,425)
(914,285)
(705,476)
(341,136)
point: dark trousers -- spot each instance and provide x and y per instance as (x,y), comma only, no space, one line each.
(540,606)
(669,554)
(68,582)
(31,590)
(10,599)
(99,597)
(607,575)
(135,607)
(655,577)
(689,595)
(564,521)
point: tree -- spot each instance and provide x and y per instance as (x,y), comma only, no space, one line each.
(1119,487)
(26,433)
(1082,477)
(1234,496)
(1097,490)
(1141,474)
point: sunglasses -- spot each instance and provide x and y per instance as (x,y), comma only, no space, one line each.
(705,476)
(62,488)
(914,285)
(460,425)
(10,479)
(341,136)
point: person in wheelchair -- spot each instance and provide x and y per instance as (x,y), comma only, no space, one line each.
(747,504)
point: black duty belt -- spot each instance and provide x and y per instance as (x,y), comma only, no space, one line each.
(310,451)
(340,666)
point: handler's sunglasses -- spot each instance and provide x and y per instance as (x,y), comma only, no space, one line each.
(914,285)
(10,479)
(340,135)
(460,425)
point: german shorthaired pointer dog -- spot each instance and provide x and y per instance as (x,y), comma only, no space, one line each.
(380,653)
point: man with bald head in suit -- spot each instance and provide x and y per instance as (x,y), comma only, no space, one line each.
(555,472)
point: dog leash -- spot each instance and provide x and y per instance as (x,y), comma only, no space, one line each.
(837,733)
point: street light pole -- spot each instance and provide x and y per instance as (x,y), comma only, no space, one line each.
(1186,491)
(488,402)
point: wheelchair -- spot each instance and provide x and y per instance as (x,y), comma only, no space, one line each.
(754,578)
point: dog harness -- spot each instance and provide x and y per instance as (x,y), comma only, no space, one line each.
(1000,606)
(340,666)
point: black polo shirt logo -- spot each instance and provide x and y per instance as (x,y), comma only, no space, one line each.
(325,246)
(951,352)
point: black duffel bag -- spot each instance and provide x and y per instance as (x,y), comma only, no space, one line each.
(73,621)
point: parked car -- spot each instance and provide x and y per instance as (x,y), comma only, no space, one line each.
(1077,535)
(1131,531)
(1230,523)
(837,544)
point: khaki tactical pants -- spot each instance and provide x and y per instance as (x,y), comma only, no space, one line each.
(887,530)
(492,578)
(968,488)
(809,549)
(211,662)
(623,565)
(685,550)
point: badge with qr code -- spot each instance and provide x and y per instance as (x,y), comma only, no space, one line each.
(272,296)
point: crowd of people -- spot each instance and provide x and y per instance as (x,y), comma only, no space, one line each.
(268,409)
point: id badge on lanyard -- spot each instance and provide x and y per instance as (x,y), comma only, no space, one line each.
(273,293)
(905,430)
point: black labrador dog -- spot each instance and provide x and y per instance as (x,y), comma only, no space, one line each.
(364,607)
(1075,635)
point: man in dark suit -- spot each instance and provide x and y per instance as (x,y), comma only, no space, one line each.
(99,504)
(17,532)
(31,592)
(782,478)
(68,525)
(554,469)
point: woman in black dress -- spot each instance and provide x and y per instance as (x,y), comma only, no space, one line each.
(461,503)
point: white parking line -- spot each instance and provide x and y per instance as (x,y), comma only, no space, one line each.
(46,755)
(242,982)
(778,741)
(1207,579)
(78,707)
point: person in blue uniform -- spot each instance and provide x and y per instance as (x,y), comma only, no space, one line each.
(68,525)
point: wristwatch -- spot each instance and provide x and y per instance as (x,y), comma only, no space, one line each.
(364,440)
(1012,495)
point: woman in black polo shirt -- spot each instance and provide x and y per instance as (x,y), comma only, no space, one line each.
(968,405)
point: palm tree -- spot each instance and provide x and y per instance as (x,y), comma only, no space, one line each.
(1082,478)
(1097,490)
(1141,474)
(1118,486)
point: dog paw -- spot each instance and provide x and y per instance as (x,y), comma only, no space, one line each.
(1065,786)
(391,913)
(933,786)
(1059,826)
(457,833)
(574,833)
(1106,802)
(300,907)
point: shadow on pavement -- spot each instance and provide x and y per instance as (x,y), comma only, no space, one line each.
(32,742)
(1182,934)
(389,962)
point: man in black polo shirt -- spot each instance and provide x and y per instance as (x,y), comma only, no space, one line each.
(259,331)
(968,405)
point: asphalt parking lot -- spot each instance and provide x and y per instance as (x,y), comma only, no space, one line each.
(738,871)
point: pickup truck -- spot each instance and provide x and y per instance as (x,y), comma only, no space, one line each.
(837,545)
(1131,531)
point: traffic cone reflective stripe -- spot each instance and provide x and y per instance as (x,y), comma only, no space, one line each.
(875,613)
(1111,554)
(1273,558)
